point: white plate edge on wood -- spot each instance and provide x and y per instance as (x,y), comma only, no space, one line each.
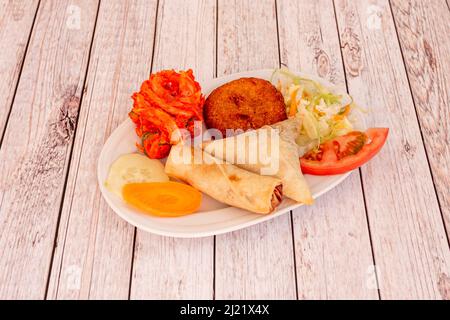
(221,219)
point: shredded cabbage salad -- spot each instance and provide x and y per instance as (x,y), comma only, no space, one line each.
(324,114)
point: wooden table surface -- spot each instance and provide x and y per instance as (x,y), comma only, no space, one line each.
(68,68)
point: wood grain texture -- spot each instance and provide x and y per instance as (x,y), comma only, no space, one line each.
(170,268)
(332,245)
(408,236)
(95,247)
(37,143)
(16,21)
(257,262)
(94,257)
(423,30)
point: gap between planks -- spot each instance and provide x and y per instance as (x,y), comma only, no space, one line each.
(155,28)
(406,224)
(416,107)
(42,159)
(359,169)
(55,241)
(16,84)
(93,238)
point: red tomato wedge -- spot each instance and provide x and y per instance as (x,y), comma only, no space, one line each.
(344,153)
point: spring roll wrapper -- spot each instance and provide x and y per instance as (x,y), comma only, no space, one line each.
(224,181)
(289,171)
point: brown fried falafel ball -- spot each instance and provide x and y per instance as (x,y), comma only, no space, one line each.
(246,103)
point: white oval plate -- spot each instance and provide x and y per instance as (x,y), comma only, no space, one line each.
(213,217)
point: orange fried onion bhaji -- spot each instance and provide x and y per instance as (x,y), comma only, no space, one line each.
(166,102)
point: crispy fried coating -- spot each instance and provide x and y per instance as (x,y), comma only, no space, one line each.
(246,103)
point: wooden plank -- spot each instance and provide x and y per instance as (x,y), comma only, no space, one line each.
(332,244)
(95,247)
(37,144)
(423,32)
(253,263)
(169,268)
(408,236)
(16,21)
